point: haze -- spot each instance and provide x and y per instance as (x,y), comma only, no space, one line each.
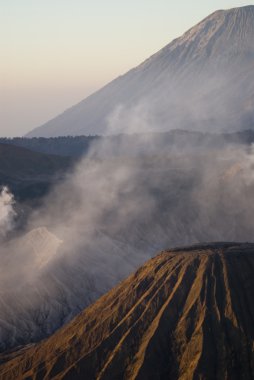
(55,53)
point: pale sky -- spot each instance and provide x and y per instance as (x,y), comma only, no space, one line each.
(54,53)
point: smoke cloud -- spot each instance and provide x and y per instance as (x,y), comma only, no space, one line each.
(7,212)
(124,201)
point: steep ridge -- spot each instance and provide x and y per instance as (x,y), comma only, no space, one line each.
(186,314)
(202,80)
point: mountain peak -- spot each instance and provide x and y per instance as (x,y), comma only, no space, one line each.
(245,8)
(223,33)
(235,10)
(211,64)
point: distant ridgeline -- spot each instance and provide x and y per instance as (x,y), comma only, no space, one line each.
(138,144)
(62,146)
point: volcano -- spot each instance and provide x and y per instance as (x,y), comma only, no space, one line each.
(186,314)
(200,81)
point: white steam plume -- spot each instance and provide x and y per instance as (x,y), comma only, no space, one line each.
(7,212)
(114,211)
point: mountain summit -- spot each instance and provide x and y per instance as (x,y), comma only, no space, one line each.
(186,314)
(222,34)
(202,80)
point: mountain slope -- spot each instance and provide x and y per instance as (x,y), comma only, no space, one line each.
(29,174)
(54,286)
(202,80)
(23,161)
(187,313)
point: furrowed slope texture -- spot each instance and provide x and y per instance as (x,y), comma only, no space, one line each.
(202,80)
(186,314)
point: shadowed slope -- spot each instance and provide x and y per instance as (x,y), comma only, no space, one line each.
(186,314)
(30,174)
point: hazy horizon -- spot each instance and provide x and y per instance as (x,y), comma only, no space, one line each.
(57,53)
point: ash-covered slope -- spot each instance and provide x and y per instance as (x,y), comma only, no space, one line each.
(186,314)
(41,289)
(202,80)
